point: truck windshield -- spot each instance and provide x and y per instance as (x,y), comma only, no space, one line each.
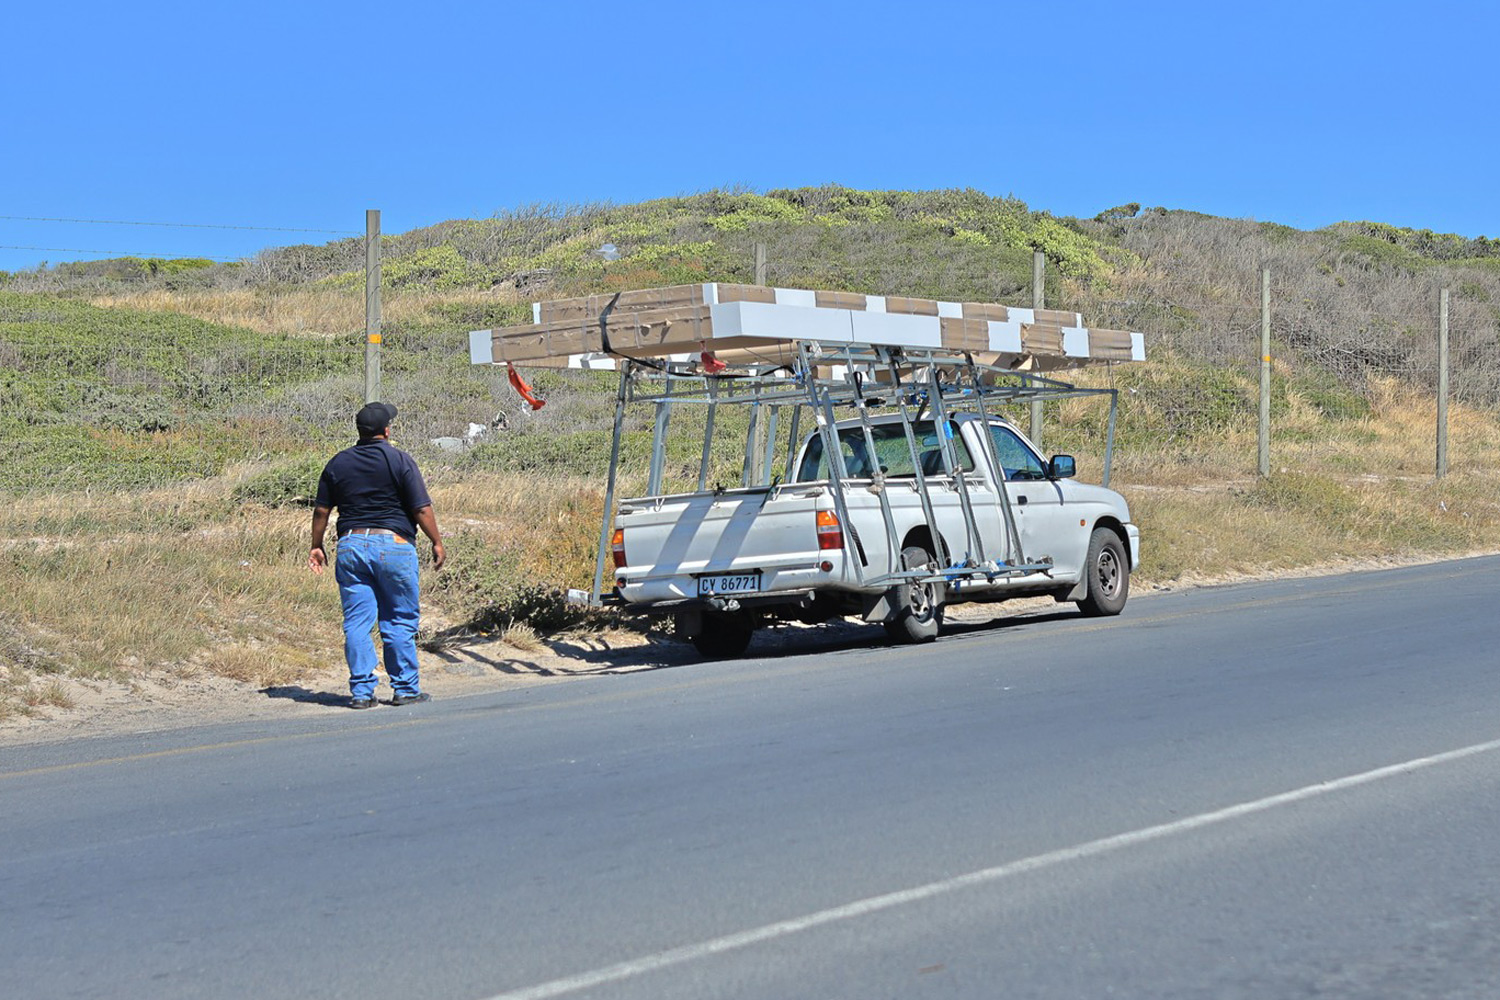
(891,454)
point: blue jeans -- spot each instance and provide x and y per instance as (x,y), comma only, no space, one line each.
(377,578)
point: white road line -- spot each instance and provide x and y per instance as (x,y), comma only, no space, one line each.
(874,904)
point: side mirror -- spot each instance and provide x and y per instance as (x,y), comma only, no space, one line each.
(1062,467)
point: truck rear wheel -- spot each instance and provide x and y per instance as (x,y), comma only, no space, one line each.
(921,604)
(724,635)
(1107,571)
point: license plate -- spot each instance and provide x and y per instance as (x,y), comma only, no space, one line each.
(729,583)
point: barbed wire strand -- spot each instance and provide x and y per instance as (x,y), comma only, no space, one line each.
(181,225)
(127,253)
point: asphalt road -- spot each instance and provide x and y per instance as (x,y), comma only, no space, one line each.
(1279,790)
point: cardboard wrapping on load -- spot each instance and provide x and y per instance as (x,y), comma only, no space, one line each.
(910,307)
(632,300)
(1055,317)
(542,340)
(662,331)
(766,322)
(1040,338)
(1110,345)
(747,293)
(986,311)
(965,334)
(839,300)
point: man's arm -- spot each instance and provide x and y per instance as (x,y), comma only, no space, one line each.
(427,521)
(317,558)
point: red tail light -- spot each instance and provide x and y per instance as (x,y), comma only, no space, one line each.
(830,535)
(617,547)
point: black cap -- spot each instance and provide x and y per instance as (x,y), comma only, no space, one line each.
(373,418)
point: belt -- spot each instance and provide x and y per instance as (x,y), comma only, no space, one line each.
(375,531)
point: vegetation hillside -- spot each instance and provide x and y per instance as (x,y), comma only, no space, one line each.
(165,419)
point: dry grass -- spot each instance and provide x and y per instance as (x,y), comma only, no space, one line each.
(262,664)
(317,311)
(183,581)
(522,637)
(22,695)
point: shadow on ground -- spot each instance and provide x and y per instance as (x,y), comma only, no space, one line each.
(297,693)
(595,654)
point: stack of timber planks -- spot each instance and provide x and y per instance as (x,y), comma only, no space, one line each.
(755,324)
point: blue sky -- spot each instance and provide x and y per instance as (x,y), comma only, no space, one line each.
(306,114)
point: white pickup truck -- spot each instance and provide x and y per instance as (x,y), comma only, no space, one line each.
(863,537)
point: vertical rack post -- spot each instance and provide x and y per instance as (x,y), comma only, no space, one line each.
(712,387)
(659,437)
(609,489)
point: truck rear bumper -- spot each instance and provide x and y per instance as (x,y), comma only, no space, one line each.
(785,583)
(800,598)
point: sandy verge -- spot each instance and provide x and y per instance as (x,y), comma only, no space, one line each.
(160,700)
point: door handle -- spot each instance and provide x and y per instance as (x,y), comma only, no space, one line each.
(1021,500)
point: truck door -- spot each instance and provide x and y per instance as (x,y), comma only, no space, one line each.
(1037,502)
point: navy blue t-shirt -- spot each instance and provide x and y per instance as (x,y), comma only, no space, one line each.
(373,485)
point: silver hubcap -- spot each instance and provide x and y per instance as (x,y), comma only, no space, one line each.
(921,599)
(1109,573)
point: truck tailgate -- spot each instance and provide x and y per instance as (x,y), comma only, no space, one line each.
(671,541)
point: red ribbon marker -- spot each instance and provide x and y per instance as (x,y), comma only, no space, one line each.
(525,390)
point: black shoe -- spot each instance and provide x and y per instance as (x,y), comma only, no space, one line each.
(363,702)
(410,699)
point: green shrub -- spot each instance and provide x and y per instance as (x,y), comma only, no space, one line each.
(434,267)
(545,609)
(1331,397)
(289,483)
(1296,492)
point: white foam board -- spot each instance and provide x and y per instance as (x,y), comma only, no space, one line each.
(779,322)
(1005,337)
(895,329)
(481,347)
(796,297)
(1075,342)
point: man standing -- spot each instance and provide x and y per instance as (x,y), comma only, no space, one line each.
(381,500)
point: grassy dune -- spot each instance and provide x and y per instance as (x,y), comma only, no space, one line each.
(192,580)
(165,421)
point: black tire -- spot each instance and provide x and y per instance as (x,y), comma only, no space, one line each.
(1107,571)
(724,635)
(921,615)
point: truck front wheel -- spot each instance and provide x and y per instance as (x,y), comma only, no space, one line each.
(1107,571)
(920,605)
(724,635)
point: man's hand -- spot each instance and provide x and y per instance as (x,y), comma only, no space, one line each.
(317,557)
(438,555)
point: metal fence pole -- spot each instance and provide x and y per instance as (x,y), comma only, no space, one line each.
(1038,301)
(757,466)
(1442,400)
(1265,372)
(372,305)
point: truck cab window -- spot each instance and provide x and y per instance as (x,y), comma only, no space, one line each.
(1018,461)
(892,454)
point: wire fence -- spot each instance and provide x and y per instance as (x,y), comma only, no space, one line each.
(104,399)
